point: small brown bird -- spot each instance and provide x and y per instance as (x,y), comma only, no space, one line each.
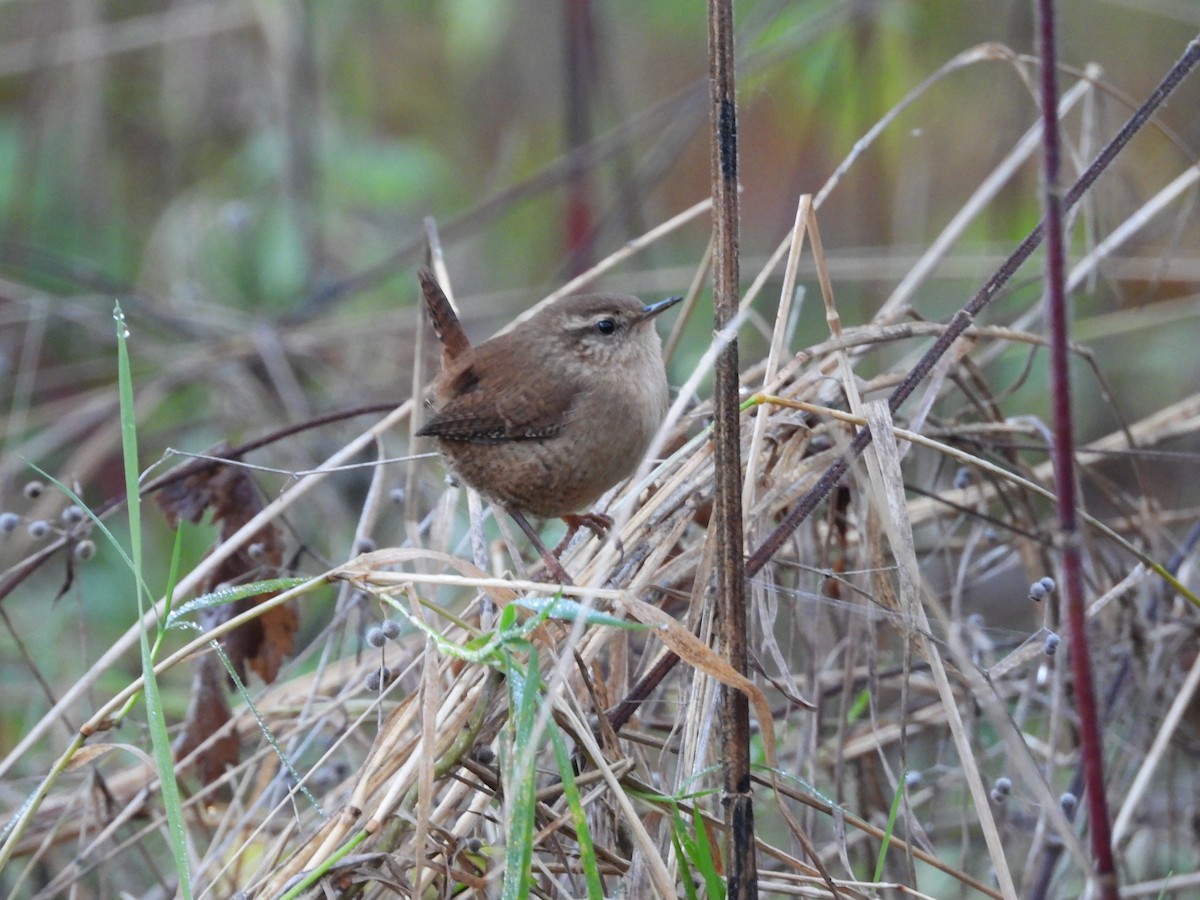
(547,417)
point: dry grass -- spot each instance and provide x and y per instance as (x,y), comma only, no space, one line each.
(901,668)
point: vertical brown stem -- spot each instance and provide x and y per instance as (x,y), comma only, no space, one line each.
(731,591)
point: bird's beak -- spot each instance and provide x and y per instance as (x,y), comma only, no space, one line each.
(653,309)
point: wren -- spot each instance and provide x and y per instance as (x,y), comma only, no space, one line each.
(546,417)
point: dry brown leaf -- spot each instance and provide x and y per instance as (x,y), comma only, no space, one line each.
(208,712)
(262,643)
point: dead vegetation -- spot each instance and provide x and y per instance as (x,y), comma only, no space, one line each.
(441,725)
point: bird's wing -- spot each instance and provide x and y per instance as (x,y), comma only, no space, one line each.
(479,406)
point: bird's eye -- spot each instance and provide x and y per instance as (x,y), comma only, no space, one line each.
(606,326)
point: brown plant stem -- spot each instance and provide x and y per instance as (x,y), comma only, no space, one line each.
(741,866)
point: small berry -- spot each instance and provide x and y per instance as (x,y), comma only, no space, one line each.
(485,755)
(1037,593)
(1050,645)
(1048,584)
(373,681)
(1001,789)
(912,779)
(396,495)
(73,514)
(962,478)
(9,522)
(473,845)
(33,490)
(1067,803)
(255,550)
(376,637)
(85,550)
(390,628)
(364,545)
(39,529)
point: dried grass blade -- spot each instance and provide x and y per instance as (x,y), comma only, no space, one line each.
(883,462)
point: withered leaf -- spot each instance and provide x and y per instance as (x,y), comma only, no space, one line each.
(261,643)
(265,642)
(208,712)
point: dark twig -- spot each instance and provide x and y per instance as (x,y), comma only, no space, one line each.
(965,316)
(727,512)
(1091,743)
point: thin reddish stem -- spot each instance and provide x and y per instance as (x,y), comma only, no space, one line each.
(965,316)
(1091,743)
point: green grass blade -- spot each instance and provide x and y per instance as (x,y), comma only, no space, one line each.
(231,595)
(172,580)
(677,830)
(703,858)
(160,740)
(567,610)
(284,760)
(129,441)
(521,787)
(168,595)
(587,852)
(859,707)
(887,834)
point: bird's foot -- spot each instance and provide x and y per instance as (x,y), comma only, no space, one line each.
(597,523)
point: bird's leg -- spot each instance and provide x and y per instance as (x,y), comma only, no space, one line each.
(553,566)
(597,523)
